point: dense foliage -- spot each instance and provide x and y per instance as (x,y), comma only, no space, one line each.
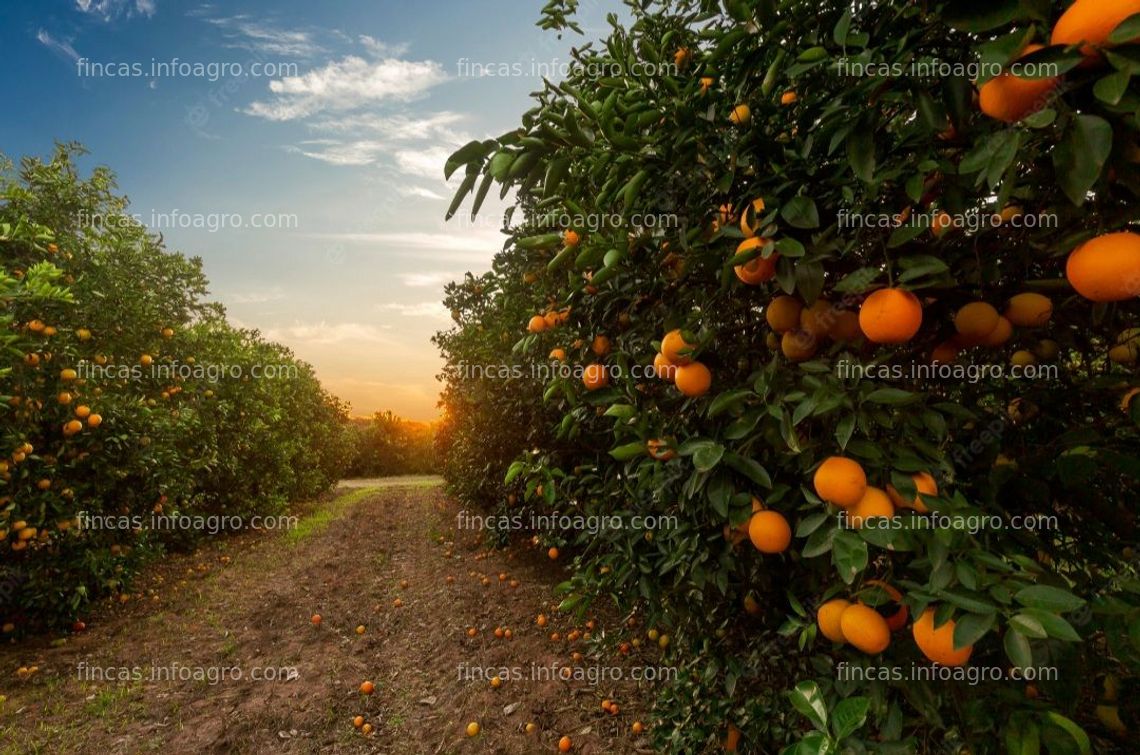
(389,445)
(638,180)
(125,396)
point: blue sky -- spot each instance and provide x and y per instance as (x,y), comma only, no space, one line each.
(337,137)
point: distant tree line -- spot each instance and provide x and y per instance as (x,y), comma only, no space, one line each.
(390,445)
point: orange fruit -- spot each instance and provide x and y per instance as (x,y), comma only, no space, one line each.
(896,620)
(741,115)
(367,688)
(1029,310)
(865,629)
(732,739)
(1009,98)
(564,744)
(693,379)
(769,532)
(551,319)
(874,503)
(558,355)
(571,238)
(637,727)
(472,729)
(840,481)
(938,644)
(944,353)
(941,224)
(676,349)
(1023,358)
(845,327)
(999,335)
(537,324)
(975,321)
(64,397)
(82,411)
(758,269)
(595,376)
(890,315)
(1106,268)
(750,218)
(798,345)
(817,318)
(68,375)
(660,449)
(553,554)
(358,721)
(95,420)
(828,618)
(72,427)
(1089,23)
(787,98)
(663,368)
(600,346)
(146,360)
(924,484)
(366,729)
(783,313)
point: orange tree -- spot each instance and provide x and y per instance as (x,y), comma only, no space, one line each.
(796,210)
(124,395)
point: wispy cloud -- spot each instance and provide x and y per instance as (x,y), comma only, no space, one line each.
(108,10)
(469,240)
(429,309)
(348,84)
(257,297)
(429,280)
(57,45)
(256,35)
(380,49)
(325,333)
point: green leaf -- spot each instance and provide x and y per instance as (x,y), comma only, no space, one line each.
(849,716)
(729,400)
(1127,31)
(628,451)
(750,468)
(1028,626)
(891,396)
(1079,156)
(971,627)
(861,151)
(1111,88)
(1017,649)
(980,15)
(1072,729)
(800,212)
(849,554)
(1054,625)
(707,456)
(470,151)
(808,700)
(1048,598)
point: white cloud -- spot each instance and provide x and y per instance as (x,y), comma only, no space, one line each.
(326,334)
(419,191)
(111,9)
(426,163)
(340,153)
(246,33)
(257,297)
(429,280)
(466,240)
(57,45)
(380,49)
(401,126)
(347,84)
(429,309)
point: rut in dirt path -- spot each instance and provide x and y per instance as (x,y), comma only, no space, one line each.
(240,667)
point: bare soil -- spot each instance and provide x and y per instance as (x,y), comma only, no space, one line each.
(146,675)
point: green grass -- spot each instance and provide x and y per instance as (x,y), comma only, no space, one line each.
(320,519)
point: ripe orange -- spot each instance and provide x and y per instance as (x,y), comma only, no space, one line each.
(571,238)
(693,379)
(828,618)
(787,98)
(938,644)
(1023,358)
(64,397)
(924,484)
(595,376)
(564,744)
(864,628)
(68,375)
(944,353)
(750,218)
(358,721)
(840,481)
(82,411)
(537,324)
(769,532)
(741,115)
(541,620)
(758,269)
(1106,268)
(637,727)
(146,360)
(999,335)
(783,313)
(553,554)
(660,449)
(817,318)
(72,427)
(1090,22)
(845,327)
(975,321)
(1009,98)
(95,420)
(366,729)
(1029,310)
(890,315)
(874,503)
(600,346)
(663,368)
(676,349)
(367,688)
(798,345)
(472,729)
(558,355)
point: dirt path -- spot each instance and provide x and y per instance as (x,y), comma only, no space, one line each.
(147,676)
